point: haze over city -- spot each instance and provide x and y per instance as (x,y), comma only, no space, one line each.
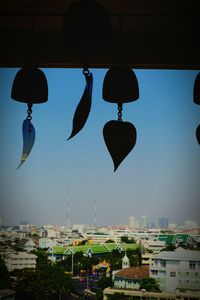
(160,177)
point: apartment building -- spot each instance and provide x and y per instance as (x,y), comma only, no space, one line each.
(154,246)
(177,270)
(20,260)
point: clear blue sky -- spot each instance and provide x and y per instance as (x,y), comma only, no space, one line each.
(160,177)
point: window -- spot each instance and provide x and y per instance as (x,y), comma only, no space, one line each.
(156,261)
(163,263)
(162,272)
(192,265)
(154,272)
(172,274)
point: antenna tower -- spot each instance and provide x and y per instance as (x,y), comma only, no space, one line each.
(95,213)
(68,222)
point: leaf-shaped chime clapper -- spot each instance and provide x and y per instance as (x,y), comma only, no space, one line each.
(196,91)
(83,109)
(198,134)
(196,98)
(120,138)
(28,139)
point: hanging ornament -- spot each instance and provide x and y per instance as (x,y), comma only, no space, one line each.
(120,86)
(86,26)
(29,86)
(83,109)
(196,92)
(198,134)
(196,98)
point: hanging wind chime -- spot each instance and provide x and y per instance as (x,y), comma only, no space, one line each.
(83,109)
(120,86)
(29,86)
(196,97)
(86,30)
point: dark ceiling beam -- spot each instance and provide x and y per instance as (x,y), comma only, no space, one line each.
(156,35)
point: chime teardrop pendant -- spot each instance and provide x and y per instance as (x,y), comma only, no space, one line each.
(120,139)
(120,86)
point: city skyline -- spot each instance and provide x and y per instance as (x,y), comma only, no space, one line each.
(187,224)
(160,177)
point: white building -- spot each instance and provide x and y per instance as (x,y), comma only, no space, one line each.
(52,233)
(47,243)
(125,262)
(133,222)
(80,227)
(144,221)
(191,224)
(177,270)
(153,245)
(26,244)
(147,258)
(20,260)
(130,278)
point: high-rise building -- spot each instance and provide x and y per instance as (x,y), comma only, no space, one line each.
(133,222)
(163,223)
(191,224)
(144,221)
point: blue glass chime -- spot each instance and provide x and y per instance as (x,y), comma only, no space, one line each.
(29,86)
(196,97)
(120,86)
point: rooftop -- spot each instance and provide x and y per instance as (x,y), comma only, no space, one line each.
(95,249)
(179,254)
(133,273)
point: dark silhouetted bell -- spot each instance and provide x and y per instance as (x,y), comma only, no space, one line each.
(196,93)
(198,134)
(120,85)
(86,28)
(30,86)
(120,138)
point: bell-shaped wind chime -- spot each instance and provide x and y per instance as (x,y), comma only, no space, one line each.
(120,86)
(29,86)
(196,97)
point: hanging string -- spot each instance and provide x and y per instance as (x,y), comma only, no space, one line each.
(29,111)
(120,108)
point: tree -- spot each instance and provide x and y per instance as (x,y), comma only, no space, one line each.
(169,247)
(35,236)
(134,260)
(42,257)
(99,294)
(88,262)
(104,282)
(117,296)
(44,283)
(125,239)
(150,285)
(109,241)
(4,275)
